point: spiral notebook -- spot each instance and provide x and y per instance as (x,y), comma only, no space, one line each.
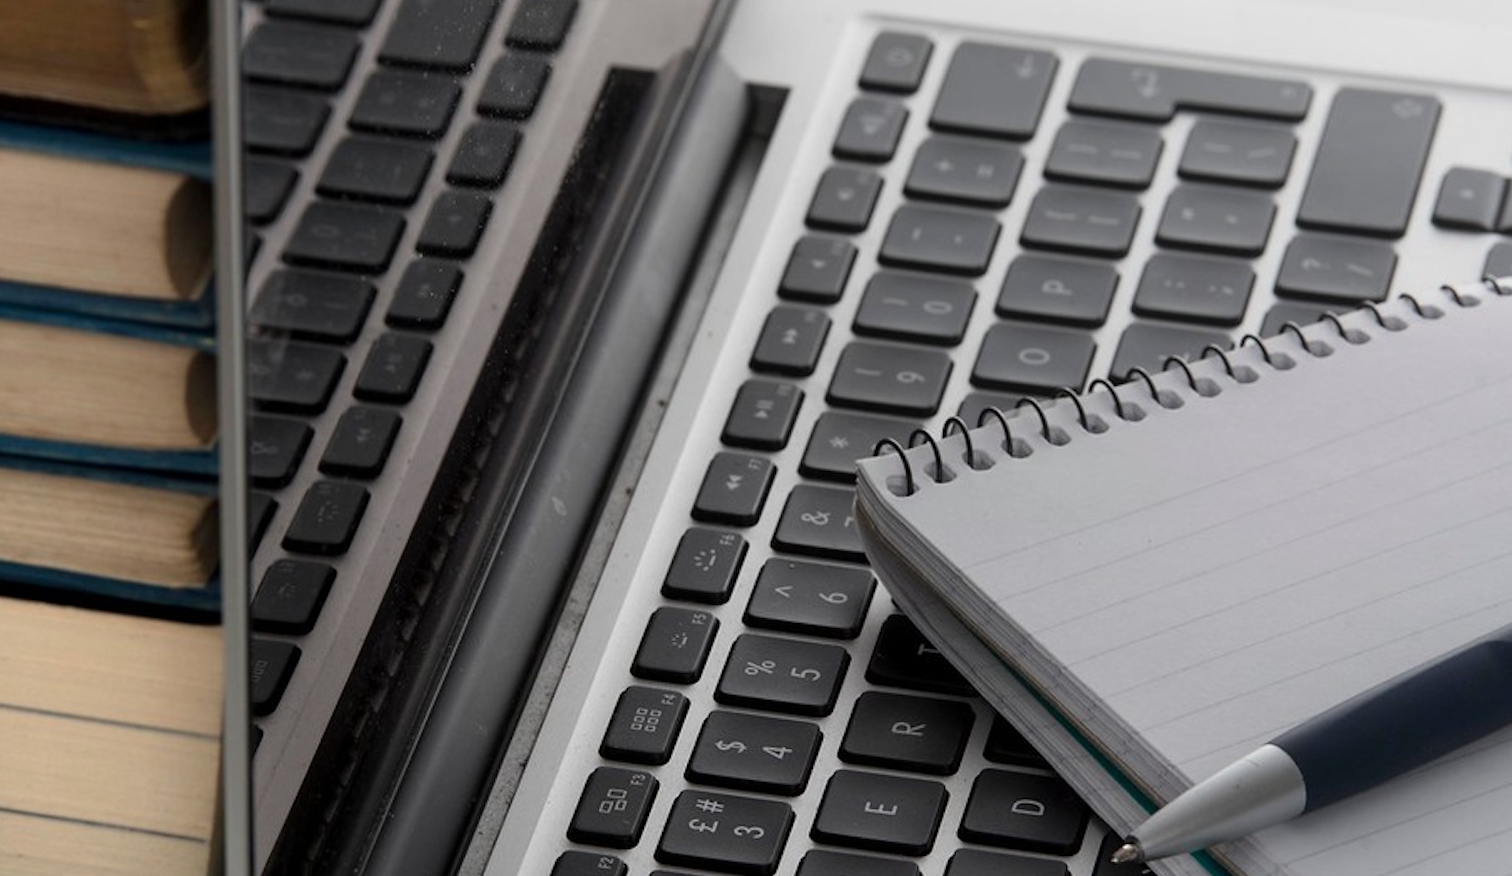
(1161,575)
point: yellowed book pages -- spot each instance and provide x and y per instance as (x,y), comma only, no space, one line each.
(101,227)
(144,57)
(123,531)
(109,742)
(63,384)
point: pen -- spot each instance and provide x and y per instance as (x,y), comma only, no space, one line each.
(1383,732)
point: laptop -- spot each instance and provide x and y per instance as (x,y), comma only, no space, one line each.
(567,322)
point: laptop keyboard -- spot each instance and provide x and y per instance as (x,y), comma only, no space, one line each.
(382,139)
(766,709)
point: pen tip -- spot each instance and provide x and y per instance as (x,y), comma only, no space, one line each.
(1126,853)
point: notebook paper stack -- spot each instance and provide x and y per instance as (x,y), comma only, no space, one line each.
(1163,575)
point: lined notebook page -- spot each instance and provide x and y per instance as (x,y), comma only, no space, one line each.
(1215,574)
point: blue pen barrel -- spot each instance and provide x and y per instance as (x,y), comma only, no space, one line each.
(1406,722)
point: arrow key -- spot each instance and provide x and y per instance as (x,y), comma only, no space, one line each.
(734,489)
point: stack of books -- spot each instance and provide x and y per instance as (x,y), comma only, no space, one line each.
(110,679)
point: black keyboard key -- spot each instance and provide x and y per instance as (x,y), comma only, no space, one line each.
(997,91)
(790,341)
(1105,153)
(1498,261)
(613,808)
(304,55)
(1080,220)
(360,443)
(976,862)
(438,34)
(896,62)
(290,596)
(880,812)
(270,665)
(971,172)
(817,269)
(1072,291)
(275,446)
(889,379)
(407,103)
(844,199)
(575,863)
(754,753)
(1336,269)
(1194,288)
(824,862)
(1366,172)
(870,129)
(1033,358)
(918,734)
(725,833)
(266,185)
(260,510)
(840,438)
(815,599)
(782,675)
(514,86)
(1212,219)
(291,376)
(704,566)
(1008,746)
(1154,92)
(393,368)
(326,520)
(352,12)
(349,237)
(307,304)
(424,295)
(455,223)
(939,239)
(762,416)
(1026,811)
(282,121)
(1146,345)
(368,169)
(541,24)
(1469,198)
(734,489)
(1238,152)
(904,658)
(484,155)
(675,645)
(817,521)
(644,725)
(913,307)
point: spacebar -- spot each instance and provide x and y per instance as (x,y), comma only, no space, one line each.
(1369,165)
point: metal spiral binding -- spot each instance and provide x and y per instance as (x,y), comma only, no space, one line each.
(1128,411)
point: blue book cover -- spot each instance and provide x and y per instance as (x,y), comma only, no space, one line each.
(63,584)
(193,158)
(190,460)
